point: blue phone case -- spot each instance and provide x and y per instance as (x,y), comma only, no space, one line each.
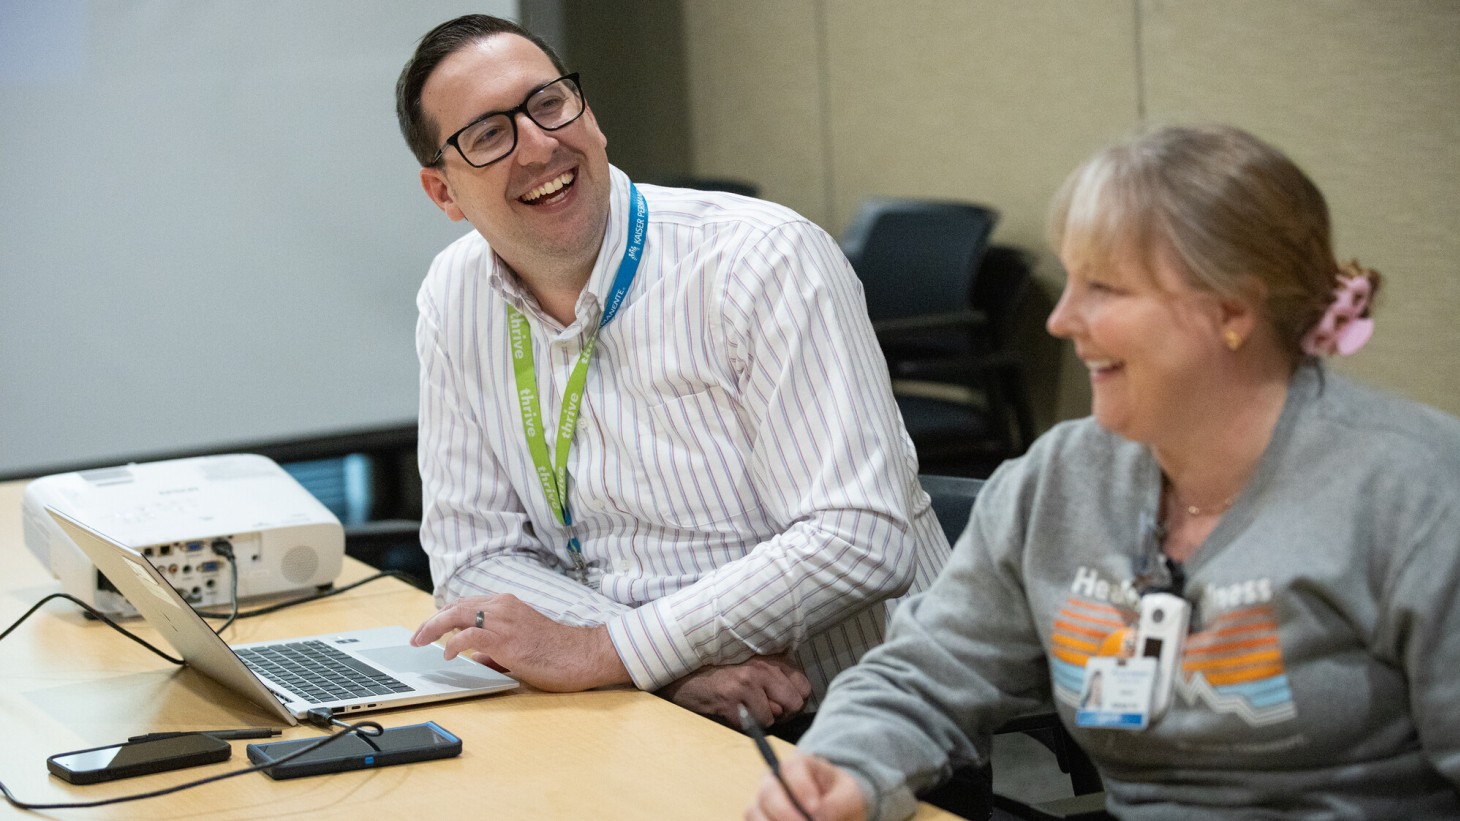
(396,745)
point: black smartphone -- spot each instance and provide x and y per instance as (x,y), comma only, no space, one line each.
(396,745)
(138,758)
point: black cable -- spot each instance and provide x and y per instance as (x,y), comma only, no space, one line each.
(274,608)
(100,616)
(324,717)
(224,549)
(319,716)
(358,729)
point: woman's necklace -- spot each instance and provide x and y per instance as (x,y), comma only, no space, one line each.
(1194,510)
(1181,536)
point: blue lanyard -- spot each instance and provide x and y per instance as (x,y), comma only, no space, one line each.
(552,473)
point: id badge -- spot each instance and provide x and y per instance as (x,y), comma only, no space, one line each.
(1116,693)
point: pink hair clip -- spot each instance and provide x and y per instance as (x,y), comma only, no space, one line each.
(1345,326)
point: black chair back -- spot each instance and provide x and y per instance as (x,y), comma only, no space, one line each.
(942,302)
(917,257)
(952,498)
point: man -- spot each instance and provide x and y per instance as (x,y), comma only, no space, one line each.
(657,442)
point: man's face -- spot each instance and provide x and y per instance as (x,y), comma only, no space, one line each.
(512,202)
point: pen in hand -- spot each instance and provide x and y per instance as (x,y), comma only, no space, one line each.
(754,730)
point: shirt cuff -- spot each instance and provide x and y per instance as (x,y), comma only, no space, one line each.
(652,646)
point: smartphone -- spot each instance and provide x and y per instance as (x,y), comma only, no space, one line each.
(138,758)
(397,745)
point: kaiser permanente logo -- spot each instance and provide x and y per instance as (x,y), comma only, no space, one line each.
(636,248)
(636,243)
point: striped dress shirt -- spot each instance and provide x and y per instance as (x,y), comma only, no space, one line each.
(740,479)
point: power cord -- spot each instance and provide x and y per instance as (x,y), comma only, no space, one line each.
(273,608)
(319,716)
(322,717)
(94,613)
(222,548)
(334,591)
(364,729)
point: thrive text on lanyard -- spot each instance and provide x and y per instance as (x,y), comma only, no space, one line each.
(552,472)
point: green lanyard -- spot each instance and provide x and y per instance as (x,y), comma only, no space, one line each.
(554,481)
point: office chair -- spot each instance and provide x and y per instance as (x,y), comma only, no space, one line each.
(732,186)
(969,792)
(942,303)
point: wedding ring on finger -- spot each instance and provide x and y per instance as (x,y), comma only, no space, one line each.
(481,617)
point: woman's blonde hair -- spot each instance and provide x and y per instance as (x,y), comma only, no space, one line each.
(1230,209)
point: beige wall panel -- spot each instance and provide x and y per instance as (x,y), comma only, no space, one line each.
(632,59)
(988,101)
(754,70)
(826,102)
(1365,96)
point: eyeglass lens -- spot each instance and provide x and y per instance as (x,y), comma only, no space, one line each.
(550,107)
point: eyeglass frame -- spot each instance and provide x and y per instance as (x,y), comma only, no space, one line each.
(511,114)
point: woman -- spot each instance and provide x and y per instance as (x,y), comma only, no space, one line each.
(1307,528)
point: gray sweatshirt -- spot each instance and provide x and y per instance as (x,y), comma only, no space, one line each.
(1320,675)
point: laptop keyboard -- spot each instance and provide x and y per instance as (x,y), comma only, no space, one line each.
(319,672)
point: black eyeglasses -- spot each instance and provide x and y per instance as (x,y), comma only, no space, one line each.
(493,136)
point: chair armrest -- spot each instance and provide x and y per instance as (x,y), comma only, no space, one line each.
(1047,729)
(969,318)
(1087,807)
(1032,721)
(956,370)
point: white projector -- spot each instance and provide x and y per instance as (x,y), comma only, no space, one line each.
(176,512)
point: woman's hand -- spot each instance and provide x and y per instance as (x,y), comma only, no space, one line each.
(824,790)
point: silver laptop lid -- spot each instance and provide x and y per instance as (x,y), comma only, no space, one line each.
(165,610)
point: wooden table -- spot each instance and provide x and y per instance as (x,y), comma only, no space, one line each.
(67,683)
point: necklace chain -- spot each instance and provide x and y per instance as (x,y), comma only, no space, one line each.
(1194,510)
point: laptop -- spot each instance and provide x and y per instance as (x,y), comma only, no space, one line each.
(371,669)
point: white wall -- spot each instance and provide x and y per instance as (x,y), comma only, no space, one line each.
(211,231)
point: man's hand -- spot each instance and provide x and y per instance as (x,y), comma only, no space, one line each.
(516,639)
(823,789)
(771,687)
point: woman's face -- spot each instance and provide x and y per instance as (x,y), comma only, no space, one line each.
(1152,342)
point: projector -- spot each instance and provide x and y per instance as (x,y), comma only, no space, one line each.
(176,513)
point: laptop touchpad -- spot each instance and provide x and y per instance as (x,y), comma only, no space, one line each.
(420,660)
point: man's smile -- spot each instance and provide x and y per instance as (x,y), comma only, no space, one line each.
(550,191)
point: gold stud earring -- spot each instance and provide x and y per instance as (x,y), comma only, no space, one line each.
(1234,339)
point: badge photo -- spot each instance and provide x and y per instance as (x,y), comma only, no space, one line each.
(1116,693)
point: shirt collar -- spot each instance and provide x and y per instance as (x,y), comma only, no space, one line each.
(590,303)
